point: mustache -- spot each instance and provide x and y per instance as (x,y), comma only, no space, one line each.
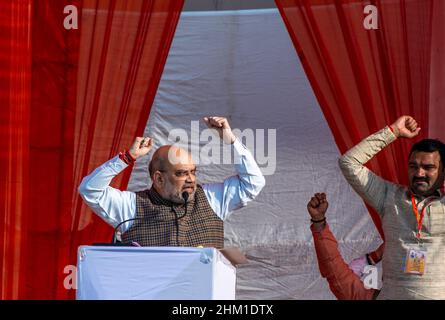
(420,179)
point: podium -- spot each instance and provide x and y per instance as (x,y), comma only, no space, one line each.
(154,273)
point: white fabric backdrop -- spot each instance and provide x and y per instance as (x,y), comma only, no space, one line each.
(242,65)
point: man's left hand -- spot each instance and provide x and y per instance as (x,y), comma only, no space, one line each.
(221,125)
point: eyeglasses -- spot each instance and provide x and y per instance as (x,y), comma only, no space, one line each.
(183,174)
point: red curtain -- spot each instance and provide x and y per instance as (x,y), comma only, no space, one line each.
(15,96)
(71,99)
(437,78)
(364,79)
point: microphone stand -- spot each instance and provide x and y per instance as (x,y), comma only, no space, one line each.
(185,196)
(121,223)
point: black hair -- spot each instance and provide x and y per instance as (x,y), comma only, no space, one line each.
(430,145)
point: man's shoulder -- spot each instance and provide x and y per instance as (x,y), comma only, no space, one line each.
(200,190)
(142,193)
(400,192)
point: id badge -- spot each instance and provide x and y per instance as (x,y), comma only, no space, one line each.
(415,261)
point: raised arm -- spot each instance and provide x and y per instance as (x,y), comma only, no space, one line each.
(372,188)
(343,282)
(113,205)
(236,191)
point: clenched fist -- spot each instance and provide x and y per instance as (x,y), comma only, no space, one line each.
(405,127)
(221,125)
(141,146)
(317,206)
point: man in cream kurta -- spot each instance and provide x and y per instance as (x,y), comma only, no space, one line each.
(396,206)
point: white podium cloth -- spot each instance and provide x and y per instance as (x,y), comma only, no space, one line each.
(169,273)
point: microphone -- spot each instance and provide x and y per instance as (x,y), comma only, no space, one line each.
(185,196)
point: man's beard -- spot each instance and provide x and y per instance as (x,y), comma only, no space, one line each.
(177,198)
(429,190)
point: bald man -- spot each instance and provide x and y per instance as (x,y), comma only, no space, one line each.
(176,210)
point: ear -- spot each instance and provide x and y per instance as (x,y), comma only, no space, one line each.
(158,179)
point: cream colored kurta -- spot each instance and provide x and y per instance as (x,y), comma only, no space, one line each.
(393,204)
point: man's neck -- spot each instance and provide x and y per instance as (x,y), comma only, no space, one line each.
(436,193)
(164,199)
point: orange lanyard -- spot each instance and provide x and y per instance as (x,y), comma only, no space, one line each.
(419,217)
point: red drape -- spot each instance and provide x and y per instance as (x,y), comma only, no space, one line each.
(15,95)
(124,47)
(71,99)
(437,78)
(364,79)
(54,59)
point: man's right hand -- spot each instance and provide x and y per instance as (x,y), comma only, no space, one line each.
(405,127)
(221,125)
(141,146)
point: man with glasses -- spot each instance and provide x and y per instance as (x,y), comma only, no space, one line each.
(176,210)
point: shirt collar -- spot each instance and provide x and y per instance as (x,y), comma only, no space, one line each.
(439,193)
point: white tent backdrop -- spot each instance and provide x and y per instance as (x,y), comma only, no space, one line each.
(242,65)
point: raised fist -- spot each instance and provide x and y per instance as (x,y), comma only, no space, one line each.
(317,206)
(405,127)
(221,125)
(141,146)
